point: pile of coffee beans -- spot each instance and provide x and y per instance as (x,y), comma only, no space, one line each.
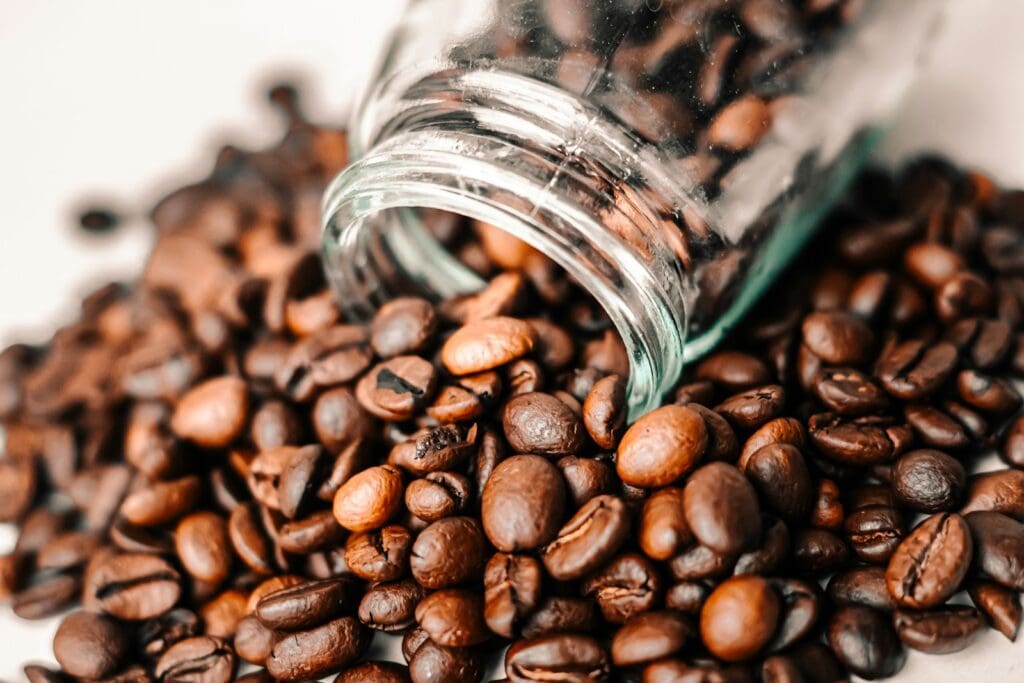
(224,473)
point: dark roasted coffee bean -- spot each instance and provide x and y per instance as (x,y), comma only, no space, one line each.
(162,502)
(782,430)
(201,541)
(561,615)
(801,607)
(254,640)
(648,637)
(931,562)
(379,555)
(374,672)
(395,389)
(733,371)
(307,604)
(687,597)
(604,411)
(999,491)
(524,376)
(992,395)
(589,539)
(1000,605)
(938,631)
(512,588)
(1013,445)
(338,419)
(770,555)
(390,607)
(836,337)
(721,508)
(722,441)
(317,532)
(701,562)
(857,441)
(998,547)
(780,475)
(306,655)
(964,295)
(132,587)
(701,393)
(663,528)
(848,392)
(213,413)
(627,585)
(158,634)
(935,427)
(586,478)
(754,407)
(661,447)
(300,478)
(369,499)
(434,449)
(570,656)
(449,552)
(453,618)
(275,424)
(323,360)
(740,617)
(861,586)
(819,550)
(865,642)
(522,503)
(90,645)
(928,481)
(432,662)
(984,344)
(874,532)
(402,326)
(540,423)
(249,540)
(912,371)
(201,658)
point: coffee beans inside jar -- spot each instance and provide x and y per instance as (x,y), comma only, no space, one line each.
(224,473)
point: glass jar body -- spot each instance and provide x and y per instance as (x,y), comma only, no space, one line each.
(671,156)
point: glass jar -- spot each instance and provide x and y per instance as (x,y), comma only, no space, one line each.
(670,155)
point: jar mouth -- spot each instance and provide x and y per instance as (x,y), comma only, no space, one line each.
(606,237)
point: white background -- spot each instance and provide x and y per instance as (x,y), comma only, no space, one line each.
(122,99)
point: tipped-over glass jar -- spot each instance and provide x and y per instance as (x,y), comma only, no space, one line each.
(670,155)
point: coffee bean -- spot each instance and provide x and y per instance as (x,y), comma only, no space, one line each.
(722,442)
(780,475)
(402,326)
(306,655)
(912,371)
(438,495)
(782,430)
(390,607)
(453,618)
(687,597)
(571,656)
(253,640)
(369,499)
(338,419)
(68,550)
(648,637)
(701,562)
(754,407)
(740,124)
(734,371)
(964,295)
(936,428)
(448,553)
(397,388)
(874,532)
(222,614)
(556,614)
(801,607)
(317,532)
(721,508)
(661,447)
(739,617)
(604,411)
(486,344)
(432,662)
(998,547)
(455,404)
(131,587)
(627,585)
(379,555)
(857,441)
(819,550)
(374,672)
(213,413)
(836,337)
(275,424)
(162,502)
(156,635)
(770,555)
(983,343)
(938,631)
(931,562)
(1000,605)
(249,540)
(861,586)
(540,423)
(298,483)
(334,356)
(589,539)
(271,585)
(522,503)
(585,478)
(932,264)
(90,645)
(865,642)
(306,605)
(554,347)
(512,588)
(203,658)
(848,392)
(928,481)
(524,376)
(663,528)
(201,541)
(988,394)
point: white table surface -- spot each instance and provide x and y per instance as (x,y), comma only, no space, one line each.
(122,99)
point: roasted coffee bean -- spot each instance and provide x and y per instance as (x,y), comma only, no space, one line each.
(733,371)
(571,656)
(453,618)
(222,614)
(939,631)
(740,124)
(836,337)
(253,640)
(306,655)
(687,597)
(848,392)
(275,424)
(585,478)
(522,503)
(661,446)
(780,475)
(701,562)
(604,411)
(754,407)
(928,481)
(874,532)
(306,605)
(932,264)
(740,617)
(90,645)
(561,615)
(486,344)
(819,550)
(249,540)
(317,532)
(432,662)
(931,562)
(158,634)
(648,637)
(627,585)
(201,541)
(68,550)
(449,552)
(988,394)
(512,589)
(770,555)
(369,499)
(999,491)
(50,596)
(964,295)
(663,528)
(271,585)
(554,347)
(374,672)
(524,376)
(861,586)
(935,427)
(379,555)
(865,642)
(721,508)
(540,423)
(998,547)
(338,419)
(1000,605)
(801,607)
(162,502)
(438,495)
(1012,450)
(299,480)
(402,326)
(213,413)
(782,430)
(132,587)
(857,441)
(40,526)
(201,658)
(334,356)
(722,442)
(390,607)
(397,388)
(589,539)
(983,343)
(912,371)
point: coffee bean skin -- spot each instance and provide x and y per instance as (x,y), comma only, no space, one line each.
(540,423)
(453,618)
(201,540)
(739,617)
(448,553)
(999,491)
(213,413)
(522,503)
(661,447)
(865,642)
(999,547)
(939,631)
(305,605)
(487,344)
(931,562)
(721,508)
(663,528)
(570,656)
(1000,605)
(203,657)
(648,637)
(306,655)
(369,499)
(90,645)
